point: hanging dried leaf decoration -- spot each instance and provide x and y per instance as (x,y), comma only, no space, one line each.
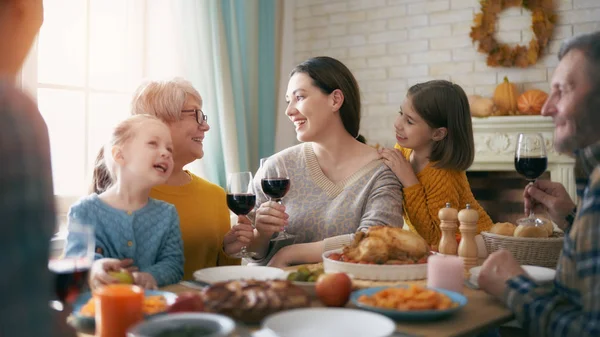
(499,54)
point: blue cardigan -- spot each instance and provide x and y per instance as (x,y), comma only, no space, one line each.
(150,236)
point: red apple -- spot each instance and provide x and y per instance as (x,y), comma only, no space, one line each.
(187,302)
(334,289)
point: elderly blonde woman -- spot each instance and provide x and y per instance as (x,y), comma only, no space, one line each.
(208,239)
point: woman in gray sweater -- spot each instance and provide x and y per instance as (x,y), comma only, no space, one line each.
(338,184)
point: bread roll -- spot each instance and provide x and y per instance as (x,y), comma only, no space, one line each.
(531,231)
(503,228)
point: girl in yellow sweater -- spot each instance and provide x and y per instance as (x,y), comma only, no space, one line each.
(434,148)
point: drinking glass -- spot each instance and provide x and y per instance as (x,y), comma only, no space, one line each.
(71,267)
(531,162)
(241,199)
(275,184)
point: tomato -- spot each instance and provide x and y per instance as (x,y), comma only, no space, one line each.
(335,256)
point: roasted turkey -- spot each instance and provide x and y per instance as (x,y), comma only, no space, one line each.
(382,244)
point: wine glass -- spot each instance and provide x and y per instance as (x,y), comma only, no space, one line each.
(241,200)
(531,162)
(71,266)
(275,184)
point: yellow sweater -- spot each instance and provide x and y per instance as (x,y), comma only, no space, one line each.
(204,221)
(436,187)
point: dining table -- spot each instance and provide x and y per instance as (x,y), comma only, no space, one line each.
(481,313)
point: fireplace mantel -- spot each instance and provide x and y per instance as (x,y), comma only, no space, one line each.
(496,139)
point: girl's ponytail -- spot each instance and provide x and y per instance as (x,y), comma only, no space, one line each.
(101,179)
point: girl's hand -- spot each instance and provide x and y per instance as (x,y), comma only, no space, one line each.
(239,236)
(271,218)
(394,159)
(144,280)
(99,272)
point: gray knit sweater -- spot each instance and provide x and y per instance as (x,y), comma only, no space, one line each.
(320,209)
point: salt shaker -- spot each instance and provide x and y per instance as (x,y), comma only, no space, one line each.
(467,249)
(449,219)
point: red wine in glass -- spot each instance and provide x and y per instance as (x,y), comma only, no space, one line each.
(70,278)
(241,199)
(531,162)
(241,203)
(275,184)
(72,267)
(531,167)
(275,188)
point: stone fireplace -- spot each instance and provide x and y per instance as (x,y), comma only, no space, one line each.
(493,178)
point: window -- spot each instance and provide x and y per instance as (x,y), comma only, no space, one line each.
(88,59)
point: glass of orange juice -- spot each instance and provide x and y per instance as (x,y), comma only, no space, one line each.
(118,307)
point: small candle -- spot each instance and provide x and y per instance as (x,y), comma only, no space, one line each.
(118,307)
(445,272)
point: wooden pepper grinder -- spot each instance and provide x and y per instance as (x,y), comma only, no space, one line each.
(467,249)
(449,224)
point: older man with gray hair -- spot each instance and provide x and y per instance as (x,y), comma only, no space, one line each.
(571,305)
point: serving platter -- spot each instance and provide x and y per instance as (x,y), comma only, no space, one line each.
(374,272)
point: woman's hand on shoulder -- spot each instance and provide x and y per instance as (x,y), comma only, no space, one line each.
(270,218)
(401,167)
(238,236)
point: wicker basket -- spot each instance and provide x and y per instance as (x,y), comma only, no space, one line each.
(542,252)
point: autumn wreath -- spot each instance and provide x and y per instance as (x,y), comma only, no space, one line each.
(499,54)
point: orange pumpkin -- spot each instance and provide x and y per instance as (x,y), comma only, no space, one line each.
(531,102)
(505,97)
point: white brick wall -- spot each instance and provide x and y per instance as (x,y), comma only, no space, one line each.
(392,44)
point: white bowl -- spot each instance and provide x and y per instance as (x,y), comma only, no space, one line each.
(538,274)
(377,272)
(219,325)
(328,322)
(229,273)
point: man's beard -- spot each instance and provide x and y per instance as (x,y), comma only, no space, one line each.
(586,123)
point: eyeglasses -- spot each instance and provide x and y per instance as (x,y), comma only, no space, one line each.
(200,116)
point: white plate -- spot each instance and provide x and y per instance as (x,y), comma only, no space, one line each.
(329,322)
(375,271)
(538,274)
(229,273)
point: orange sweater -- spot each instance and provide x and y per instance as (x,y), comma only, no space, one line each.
(436,187)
